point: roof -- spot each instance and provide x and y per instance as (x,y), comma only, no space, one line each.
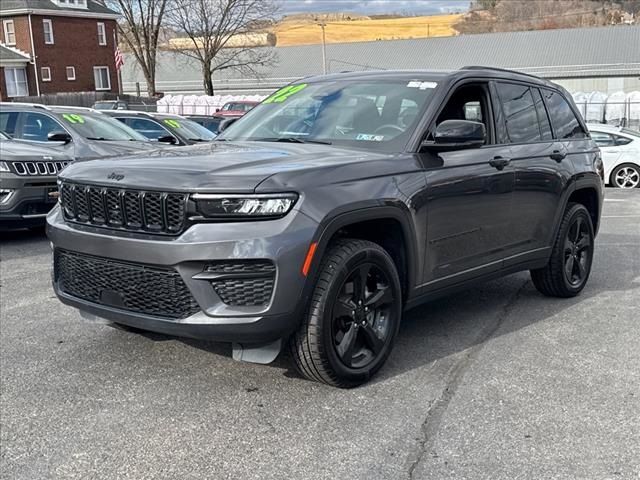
(12,55)
(553,54)
(93,7)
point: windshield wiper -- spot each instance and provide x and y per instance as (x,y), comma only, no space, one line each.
(292,140)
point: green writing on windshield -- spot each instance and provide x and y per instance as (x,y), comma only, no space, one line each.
(172,123)
(284,93)
(73,118)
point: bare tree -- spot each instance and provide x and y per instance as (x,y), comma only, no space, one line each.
(140,30)
(221,34)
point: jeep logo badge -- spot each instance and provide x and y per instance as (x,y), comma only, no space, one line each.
(115,176)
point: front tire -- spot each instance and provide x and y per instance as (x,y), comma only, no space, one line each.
(569,267)
(353,316)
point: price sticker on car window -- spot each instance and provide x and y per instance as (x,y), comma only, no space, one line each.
(172,123)
(73,118)
(284,93)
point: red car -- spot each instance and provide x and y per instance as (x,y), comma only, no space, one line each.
(236,108)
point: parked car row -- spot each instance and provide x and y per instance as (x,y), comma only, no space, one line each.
(38,141)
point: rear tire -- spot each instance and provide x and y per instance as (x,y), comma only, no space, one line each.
(626,175)
(569,267)
(353,316)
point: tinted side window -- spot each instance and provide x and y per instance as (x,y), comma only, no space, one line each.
(622,140)
(564,121)
(603,139)
(520,113)
(543,118)
(8,121)
(37,127)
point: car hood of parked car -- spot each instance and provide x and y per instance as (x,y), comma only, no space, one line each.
(23,151)
(232,166)
(100,149)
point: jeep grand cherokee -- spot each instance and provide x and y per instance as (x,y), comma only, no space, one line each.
(330,208)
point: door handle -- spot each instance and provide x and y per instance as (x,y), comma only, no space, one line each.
(558,156)
(499,162)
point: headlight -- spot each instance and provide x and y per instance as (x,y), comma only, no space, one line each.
(4,167)
(244,206)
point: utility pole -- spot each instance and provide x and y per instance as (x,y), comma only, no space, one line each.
(323,25)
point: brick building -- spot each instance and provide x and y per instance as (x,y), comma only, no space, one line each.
(68,46)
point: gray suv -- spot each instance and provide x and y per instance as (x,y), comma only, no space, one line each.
(28,188)
(339,202)
(81,133)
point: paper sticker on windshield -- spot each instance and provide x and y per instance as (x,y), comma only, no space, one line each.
(172,123)
(422,85)
(73,118)
(284,93)
(370,138)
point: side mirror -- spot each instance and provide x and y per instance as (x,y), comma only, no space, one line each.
(59,137)
(168,139)
(217,110)
(458,134)
(226,123)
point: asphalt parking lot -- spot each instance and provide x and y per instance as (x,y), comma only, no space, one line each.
(494,383)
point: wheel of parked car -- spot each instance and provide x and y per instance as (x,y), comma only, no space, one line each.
(353,317)
(569,267)
(626,175)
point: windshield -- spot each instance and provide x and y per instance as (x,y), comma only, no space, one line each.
(96,126)
(375,115)
(188,129)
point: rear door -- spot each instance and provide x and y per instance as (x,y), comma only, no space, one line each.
(541,167)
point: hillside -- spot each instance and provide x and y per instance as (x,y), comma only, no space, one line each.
(304,31)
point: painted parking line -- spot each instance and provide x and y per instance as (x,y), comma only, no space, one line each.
(621,216)
(614,200)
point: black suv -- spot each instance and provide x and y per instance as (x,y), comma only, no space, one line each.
(27,183)
(332,207)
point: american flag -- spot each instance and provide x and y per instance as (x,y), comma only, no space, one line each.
(119,58)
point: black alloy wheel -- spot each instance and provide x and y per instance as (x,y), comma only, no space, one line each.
(353,315)
(360,325)
(569,266)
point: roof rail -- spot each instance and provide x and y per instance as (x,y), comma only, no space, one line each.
(83,109)
(496,69)
(25,104)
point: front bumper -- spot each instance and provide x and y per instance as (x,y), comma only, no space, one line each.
(28,203)
(284,242)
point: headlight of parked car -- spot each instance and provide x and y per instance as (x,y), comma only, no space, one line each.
(244,206)
(4,167)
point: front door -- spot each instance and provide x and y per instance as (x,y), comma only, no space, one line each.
(469,197)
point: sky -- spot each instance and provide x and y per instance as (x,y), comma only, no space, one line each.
(373,7)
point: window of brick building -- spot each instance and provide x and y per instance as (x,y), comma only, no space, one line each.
(16,81)
(71,73)
(101,78)
(102,34)
(48,31)
(9,32)
(45,74)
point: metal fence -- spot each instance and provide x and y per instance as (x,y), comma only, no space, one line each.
(87,99)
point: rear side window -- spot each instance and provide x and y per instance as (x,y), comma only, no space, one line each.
(543,118)
(564,120)
(520,113)
(603,139)
(622,140)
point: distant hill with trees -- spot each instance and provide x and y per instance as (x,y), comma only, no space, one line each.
(514,15)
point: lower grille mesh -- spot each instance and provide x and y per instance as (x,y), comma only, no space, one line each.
(137,288)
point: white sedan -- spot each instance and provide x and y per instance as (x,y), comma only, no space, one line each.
(620,154)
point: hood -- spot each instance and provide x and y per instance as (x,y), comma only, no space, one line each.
(15,150)
(108,148)
(216,166)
